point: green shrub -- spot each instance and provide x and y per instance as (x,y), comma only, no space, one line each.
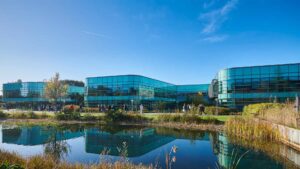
(2,115)
(31,115)
(119,116)
(89,117)
(44,115)
(212,110)
(256,109)
(10,166)
(71,108)
(18,115)
(68,116)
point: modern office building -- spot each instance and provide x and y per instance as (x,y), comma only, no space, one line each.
(232,87)
(31,94)
(132,90)
(129,91)
(241,86)
(191,93)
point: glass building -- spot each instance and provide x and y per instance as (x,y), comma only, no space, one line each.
(241,86)
(128,91)
(31,94)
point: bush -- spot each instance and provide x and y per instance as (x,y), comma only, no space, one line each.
(10,166)
(18,115)
(32,115)
(119,116)
(71,108)
(68,116)
(256,109)
(211,110)
(89,117)
(2,115)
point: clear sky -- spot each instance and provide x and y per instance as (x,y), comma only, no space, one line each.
(178,41)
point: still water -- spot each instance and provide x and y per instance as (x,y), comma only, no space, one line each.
(84,144)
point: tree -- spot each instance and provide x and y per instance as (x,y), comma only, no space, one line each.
(55,90)
(55,147)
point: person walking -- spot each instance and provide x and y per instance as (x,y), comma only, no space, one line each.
(183,108)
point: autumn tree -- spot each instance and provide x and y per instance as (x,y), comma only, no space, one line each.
(55,90)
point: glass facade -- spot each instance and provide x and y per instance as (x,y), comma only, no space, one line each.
(188,93)
(128,91)
(24,93)
(241,86)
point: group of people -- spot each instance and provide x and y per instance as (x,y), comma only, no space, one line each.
(104,108)
(124,107)
(188,107)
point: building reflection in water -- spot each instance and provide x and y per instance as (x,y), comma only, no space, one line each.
(275,156)
(36,135)
(139,142)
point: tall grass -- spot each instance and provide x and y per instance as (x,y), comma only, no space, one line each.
(187,118)
(280,113)
(251,129)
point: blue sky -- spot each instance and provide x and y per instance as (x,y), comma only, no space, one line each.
(178,41)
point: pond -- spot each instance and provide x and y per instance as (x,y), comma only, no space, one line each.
(82,143)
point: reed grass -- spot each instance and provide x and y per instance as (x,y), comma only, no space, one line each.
(285,115)
(279,113)
(251,129)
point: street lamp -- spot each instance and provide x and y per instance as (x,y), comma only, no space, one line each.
(131,105)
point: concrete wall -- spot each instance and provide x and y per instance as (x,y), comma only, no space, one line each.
(290,136)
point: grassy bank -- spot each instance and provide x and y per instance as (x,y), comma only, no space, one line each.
(173,120)
(256,121)
(279,113)
(14,161)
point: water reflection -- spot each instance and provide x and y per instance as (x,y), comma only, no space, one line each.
(258,154)
(146,145)
(139,142)
(36,135)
